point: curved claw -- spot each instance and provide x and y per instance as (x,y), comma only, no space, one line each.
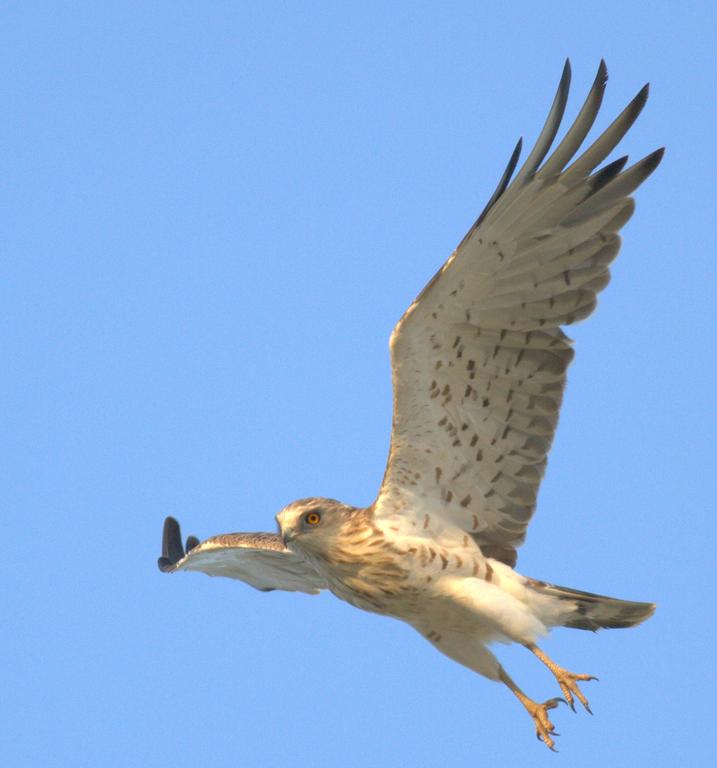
(550,744)
(568,682)
(544,729)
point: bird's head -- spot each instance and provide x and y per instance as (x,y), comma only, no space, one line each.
(313,525)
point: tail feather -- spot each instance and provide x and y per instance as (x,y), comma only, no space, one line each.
(590,611)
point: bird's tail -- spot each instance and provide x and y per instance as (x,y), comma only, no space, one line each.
(594,612)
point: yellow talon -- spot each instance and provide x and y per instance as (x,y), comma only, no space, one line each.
(566,680)
(544,729)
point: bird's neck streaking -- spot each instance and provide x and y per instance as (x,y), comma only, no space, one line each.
(360,563)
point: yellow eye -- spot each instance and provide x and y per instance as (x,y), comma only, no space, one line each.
(312,518)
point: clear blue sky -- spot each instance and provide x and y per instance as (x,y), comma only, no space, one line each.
(213,214)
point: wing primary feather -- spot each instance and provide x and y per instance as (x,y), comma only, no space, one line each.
(607,174)
(619,187)
(502,184)
(607,141)
(550,129)
(580,128)
(541,148)
(172,549)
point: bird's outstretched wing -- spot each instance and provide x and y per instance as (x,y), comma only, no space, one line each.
(479,359)
(259,559)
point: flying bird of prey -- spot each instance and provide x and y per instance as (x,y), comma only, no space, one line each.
(479,366)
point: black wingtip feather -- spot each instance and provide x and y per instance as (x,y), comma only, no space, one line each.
(641,99)
(580,127)
(172,549)
(653,160)
(502,186)
(608,173)
(515,156)
(602,74)
(565,76)
(550,128)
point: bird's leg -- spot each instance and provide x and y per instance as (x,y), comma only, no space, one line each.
(566,680)
(539,712)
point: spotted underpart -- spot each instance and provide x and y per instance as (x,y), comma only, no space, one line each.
(375,565)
